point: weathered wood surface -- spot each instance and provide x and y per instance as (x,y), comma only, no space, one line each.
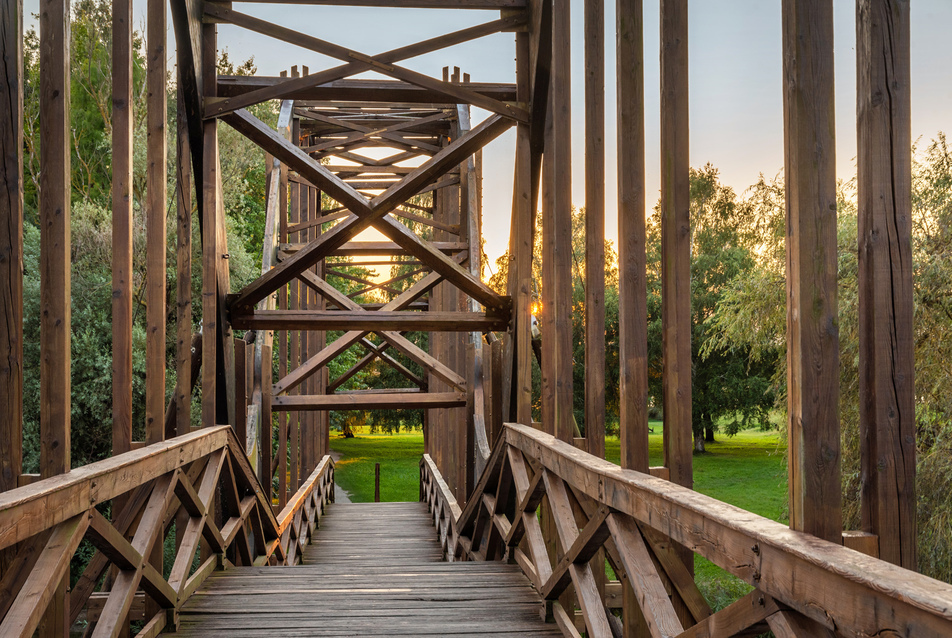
(813,370)
(834,586)
(11,244)
(886,347)
(374,569)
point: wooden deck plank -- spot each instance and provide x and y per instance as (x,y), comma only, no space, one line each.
(372,570)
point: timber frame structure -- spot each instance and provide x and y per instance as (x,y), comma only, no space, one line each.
(402,154)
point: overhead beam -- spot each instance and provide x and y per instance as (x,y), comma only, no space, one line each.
(404,321)
(447,91)
(360,90)
(384,401)
(330,352)
(407,4)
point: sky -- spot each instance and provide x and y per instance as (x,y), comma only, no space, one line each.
(735,81)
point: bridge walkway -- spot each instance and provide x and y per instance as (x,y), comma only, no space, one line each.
(374,569)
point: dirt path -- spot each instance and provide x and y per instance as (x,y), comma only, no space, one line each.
(340,496)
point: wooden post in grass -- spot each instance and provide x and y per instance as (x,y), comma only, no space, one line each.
(376,482)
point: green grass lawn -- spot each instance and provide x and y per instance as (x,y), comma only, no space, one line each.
(399,457)
(746,470)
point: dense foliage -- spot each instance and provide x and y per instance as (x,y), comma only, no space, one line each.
(752,315)
(91,222)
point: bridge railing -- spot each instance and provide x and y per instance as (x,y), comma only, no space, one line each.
(803,586)
(197,491)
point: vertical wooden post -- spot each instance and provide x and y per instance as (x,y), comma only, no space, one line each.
(241,391)
(264,472)
(55,316)
(122,226)
(55,238)
(283,296)
(294,301)
(156,240)
(495,380)
(376,482)
(320,342)
(11,244)
(595,227)
(211,251)
(886,348)
(183,269)
(557,396)
(676,241)
(812,330)
(632,285)
(518,383)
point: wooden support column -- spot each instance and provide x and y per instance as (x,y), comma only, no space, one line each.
(156,240)
(283,417)
(557,397)
(55,260)
(183,268)
(632,265)
(294,302)
(265,470)
(305,419)
(676,241)
(122,124)
(595,227)
(517,385)
(320,342)
(812,330)
(11,245)
(213,248)
(886,348)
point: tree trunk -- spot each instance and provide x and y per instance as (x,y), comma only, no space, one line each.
(709,433)
(699,441)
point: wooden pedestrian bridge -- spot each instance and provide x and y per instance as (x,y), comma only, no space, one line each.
(521,527)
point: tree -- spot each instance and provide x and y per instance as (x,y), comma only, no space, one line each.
(726,383)
(498,282)
(752,315)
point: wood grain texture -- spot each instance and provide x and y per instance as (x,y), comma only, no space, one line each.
(595,227)
(393,584)
(632,265)
(401,321)
(858,594)
(183,275)
(296,85)
(11,245)
(156,212)
(122,227)
(887,350)
(676,242)
(55,303)
(812,329)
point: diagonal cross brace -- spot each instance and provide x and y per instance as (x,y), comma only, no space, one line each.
(367,213)
(319,360)
(289,87)
(458,93)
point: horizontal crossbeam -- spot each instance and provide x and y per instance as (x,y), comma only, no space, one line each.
(406,400)
(403,321)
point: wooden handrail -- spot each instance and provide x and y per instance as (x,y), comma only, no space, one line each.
(802,582)
(181,480)
(446,511)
